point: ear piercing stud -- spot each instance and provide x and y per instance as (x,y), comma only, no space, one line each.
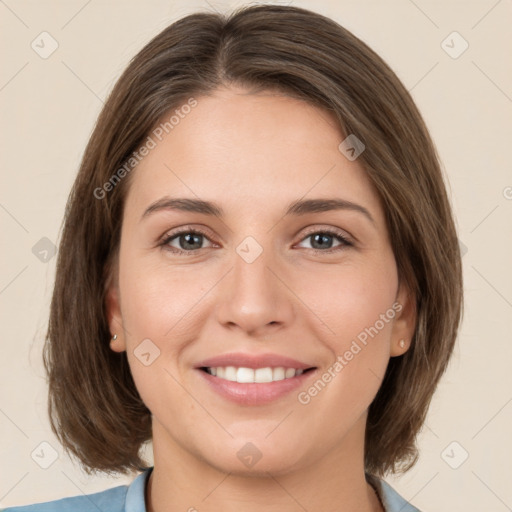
(114,338)
(402,343)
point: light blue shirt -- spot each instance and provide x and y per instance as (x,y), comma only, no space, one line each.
(130,498)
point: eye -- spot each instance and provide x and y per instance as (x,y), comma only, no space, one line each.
(188,241)
(322,241)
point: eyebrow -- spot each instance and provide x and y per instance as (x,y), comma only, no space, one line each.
(299,207)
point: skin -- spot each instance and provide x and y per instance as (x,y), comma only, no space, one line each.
(253,154)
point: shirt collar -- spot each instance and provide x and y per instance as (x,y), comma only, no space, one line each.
(391,500)
(136,492)
(135,495)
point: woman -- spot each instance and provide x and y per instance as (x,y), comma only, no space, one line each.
(259,271)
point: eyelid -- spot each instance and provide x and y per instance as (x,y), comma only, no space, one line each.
(330,230)
(346,239)
(207,233)
(172,233)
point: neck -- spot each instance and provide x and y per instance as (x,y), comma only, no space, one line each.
(184,481)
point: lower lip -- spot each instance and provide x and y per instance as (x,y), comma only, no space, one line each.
(255,393)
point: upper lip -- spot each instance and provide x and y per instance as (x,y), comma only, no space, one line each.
(254,361)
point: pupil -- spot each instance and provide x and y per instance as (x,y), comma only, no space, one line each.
(322,237)
(189,239)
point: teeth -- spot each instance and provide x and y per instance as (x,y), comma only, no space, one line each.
(290,372)
(230,373)
(249,375)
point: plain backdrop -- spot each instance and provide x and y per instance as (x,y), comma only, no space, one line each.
(454,57)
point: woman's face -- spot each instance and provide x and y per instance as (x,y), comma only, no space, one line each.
(271,283)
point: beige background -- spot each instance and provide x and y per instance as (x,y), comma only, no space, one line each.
(48,107)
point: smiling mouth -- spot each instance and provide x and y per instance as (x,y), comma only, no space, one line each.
(253,375)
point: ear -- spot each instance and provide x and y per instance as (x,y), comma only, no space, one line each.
(114,317)
(405,322)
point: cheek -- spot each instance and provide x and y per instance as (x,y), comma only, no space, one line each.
(351,298)
(156,313)
(356,313)
(158,300)
(160,308)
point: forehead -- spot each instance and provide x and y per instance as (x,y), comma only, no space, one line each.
(245,149)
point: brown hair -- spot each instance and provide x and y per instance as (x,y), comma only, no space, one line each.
(95,409)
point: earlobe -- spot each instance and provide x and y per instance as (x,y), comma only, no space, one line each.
(399,347)
(117,344)
(404,324)
(114,318)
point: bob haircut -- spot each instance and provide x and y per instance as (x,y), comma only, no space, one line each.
(94,407)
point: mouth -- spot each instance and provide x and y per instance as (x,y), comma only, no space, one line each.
(256,385)
(254,379)
(244,375)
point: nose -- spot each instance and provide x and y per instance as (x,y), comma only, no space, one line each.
(254,297)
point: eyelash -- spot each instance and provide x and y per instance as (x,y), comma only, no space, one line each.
(196,231)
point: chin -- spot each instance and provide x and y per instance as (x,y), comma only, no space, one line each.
(255,456)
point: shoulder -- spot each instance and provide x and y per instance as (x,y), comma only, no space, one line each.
(118,499)
(111,499)
(392,501)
